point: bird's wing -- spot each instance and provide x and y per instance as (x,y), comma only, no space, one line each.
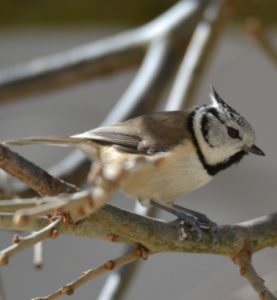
(147,134)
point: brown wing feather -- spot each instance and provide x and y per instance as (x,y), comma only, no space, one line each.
(150,133)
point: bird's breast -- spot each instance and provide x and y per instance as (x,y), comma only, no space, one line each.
(179,173)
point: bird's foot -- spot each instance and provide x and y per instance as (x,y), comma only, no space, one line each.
(202,221)
(191,221)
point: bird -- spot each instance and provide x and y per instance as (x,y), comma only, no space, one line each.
(195,144)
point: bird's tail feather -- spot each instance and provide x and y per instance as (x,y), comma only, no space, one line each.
(88,146)
(57,141)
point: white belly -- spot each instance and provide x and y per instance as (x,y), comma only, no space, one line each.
(180,173)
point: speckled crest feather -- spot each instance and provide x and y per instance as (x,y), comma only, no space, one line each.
(218,101)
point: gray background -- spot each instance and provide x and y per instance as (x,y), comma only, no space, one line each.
(243,76)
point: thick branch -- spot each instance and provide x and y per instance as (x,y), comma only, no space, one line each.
(159,236)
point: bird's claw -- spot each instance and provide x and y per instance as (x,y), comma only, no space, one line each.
(189,223)
(190,220)
(196,226)
(203,222)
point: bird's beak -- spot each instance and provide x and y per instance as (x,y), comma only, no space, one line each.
(255,150)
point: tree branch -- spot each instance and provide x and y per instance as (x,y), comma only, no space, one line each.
(198,55)
(35,177)
(114,224)
(159,236)
(22,243)
(110,265)
(243,260)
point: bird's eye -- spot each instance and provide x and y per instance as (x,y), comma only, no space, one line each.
(233,133)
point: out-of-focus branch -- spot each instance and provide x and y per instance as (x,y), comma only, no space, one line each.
(98,58)
(254,27)
(22,243)
(110,265)
(38,255)
(77,206)
(198,55)
(149,83)
(35,177)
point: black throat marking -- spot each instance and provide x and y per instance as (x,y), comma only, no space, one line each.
(211,169)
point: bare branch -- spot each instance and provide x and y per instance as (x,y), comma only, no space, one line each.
(22,243)
(243,260)
(159,236)
(198,54)
(93,273)
(33,176)
(149,83)
(16,204)
(83,229)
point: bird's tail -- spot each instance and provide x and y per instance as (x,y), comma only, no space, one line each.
(56,141)
(88,146)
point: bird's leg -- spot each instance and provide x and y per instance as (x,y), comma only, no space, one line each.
(196,221)
(204,222)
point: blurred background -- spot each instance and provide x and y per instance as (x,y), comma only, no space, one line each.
(242,72)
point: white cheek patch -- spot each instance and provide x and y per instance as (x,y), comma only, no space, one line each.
(218,148)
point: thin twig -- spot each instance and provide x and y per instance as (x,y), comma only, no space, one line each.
(198,54)
(243,260)
(22,243)
(110,265)
(35,177)
(15,204)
